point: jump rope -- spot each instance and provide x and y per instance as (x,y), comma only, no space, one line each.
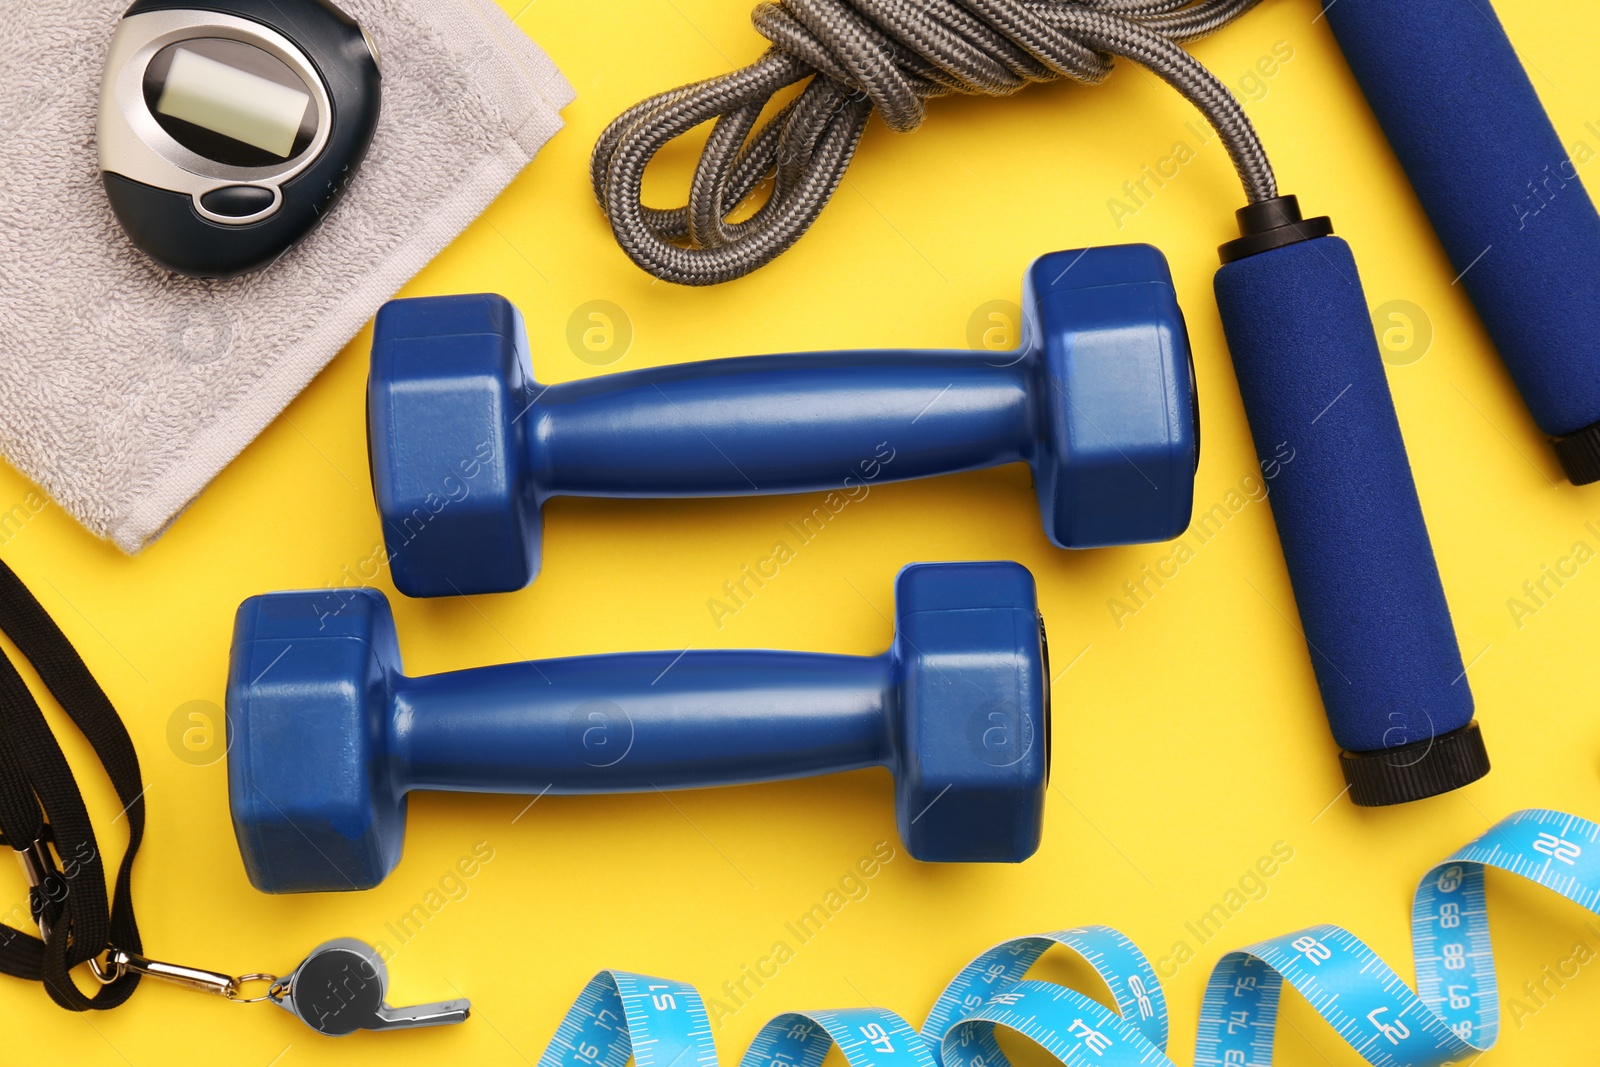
(1441,76)
(885,57)
(1297,324)
(1481,154)
(1376,622)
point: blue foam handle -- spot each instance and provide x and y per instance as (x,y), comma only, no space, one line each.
(1505,199)
(1357,549)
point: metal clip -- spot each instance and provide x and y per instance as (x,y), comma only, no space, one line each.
(119,962)
(36,864)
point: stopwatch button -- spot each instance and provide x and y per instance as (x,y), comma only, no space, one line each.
(237,201)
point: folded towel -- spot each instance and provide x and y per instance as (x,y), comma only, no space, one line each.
(125,389)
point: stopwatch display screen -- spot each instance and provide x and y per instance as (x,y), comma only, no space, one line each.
(230,102)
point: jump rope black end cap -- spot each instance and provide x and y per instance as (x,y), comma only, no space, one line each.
(1579,454)
(1418,770)
(1269,224)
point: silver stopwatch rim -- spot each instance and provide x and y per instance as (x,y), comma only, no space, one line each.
(133,144)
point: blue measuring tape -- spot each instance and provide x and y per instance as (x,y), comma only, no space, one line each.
(1453,1013)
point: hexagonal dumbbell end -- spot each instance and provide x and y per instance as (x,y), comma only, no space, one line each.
(316,804)
(465,446)
(448,404)
(327,735)
(1118,417)
(973,731)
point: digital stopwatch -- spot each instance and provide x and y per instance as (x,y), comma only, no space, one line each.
(229,128)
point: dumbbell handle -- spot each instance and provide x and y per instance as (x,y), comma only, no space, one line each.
(780,423)
(639,721)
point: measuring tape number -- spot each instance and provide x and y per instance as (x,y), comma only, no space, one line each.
(1453,1013)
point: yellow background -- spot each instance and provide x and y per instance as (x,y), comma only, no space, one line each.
(1187,742)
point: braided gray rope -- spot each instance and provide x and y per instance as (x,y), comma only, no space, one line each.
(887,56)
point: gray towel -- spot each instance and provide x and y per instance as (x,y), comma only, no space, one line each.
(125,389)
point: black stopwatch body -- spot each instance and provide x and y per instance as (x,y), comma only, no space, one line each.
(201,203)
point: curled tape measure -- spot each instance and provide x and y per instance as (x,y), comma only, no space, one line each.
(1453,1014)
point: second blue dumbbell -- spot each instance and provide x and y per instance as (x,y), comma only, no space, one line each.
(466,446)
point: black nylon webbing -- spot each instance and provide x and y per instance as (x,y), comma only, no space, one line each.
(40,800)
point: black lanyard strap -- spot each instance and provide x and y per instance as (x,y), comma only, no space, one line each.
(41,807)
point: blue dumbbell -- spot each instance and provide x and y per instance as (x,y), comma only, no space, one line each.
(466,446)
(327,735)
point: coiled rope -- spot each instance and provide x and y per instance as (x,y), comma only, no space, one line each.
(888,56)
